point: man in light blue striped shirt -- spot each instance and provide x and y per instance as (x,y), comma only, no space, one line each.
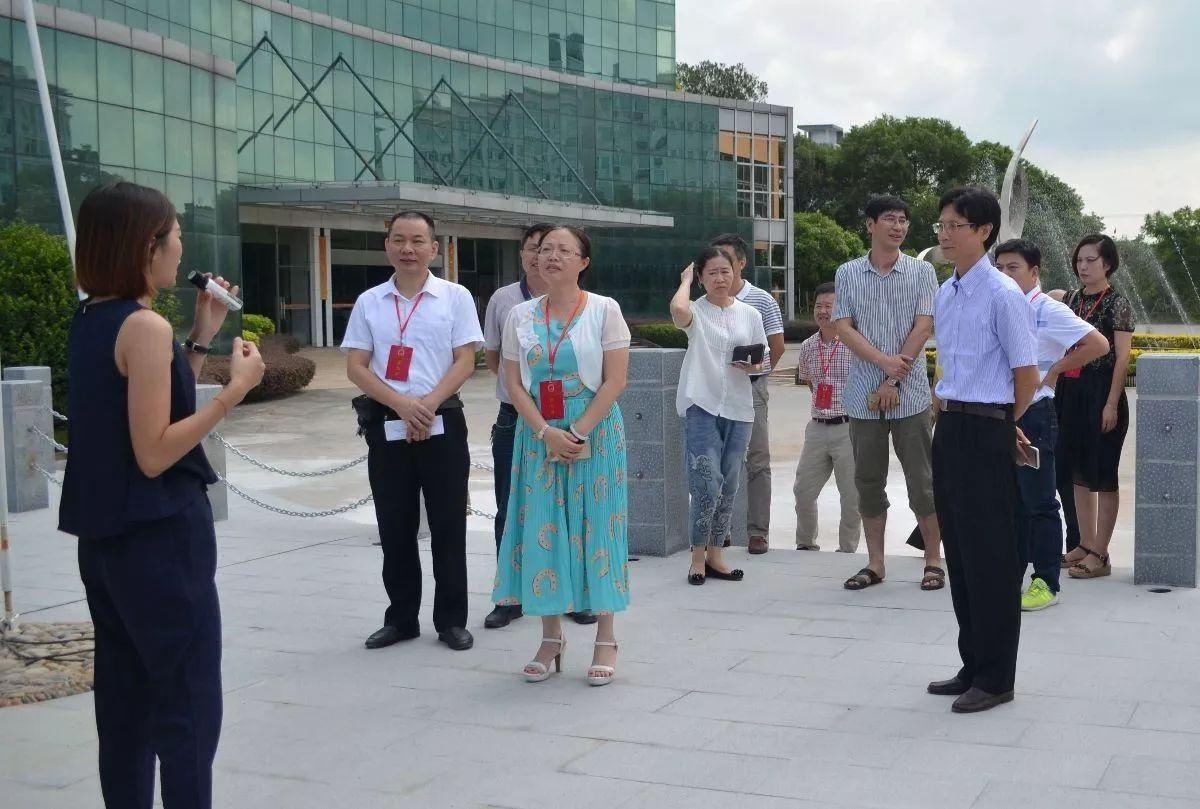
(884,314)
(987,350)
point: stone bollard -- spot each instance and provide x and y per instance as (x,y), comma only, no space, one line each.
(1167,511)
(218,494)
(657,461)
(21,407)
(44,421)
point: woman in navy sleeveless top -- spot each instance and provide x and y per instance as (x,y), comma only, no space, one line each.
(135,495)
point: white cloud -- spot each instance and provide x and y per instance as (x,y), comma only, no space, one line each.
(1113,82)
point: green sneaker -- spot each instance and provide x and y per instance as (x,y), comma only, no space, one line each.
(1038,597)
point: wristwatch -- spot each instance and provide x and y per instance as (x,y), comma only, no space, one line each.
(541,434)
(895,383)
(195,348)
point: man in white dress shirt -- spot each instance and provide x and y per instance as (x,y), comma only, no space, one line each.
(987,349)
(1065,342)
(410,346)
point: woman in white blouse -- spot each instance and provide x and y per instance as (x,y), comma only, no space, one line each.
(715,398)
(565,547)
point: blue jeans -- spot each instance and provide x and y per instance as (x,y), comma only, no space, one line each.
(503,433)
(1039,529)
(716,452)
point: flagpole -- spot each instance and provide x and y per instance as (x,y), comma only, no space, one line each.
(60,177)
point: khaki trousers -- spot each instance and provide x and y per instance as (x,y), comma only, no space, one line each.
(758,466)
(827,450)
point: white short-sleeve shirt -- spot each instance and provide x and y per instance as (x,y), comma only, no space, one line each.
(707,379)
(445,319)
(1058,330)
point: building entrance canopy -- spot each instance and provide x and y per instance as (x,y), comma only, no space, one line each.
(382,199)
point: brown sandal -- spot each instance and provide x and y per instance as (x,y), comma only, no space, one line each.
(1081,571)
(862,579)
(934,578)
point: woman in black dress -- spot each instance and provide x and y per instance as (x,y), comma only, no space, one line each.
(1093,413)
(135,495)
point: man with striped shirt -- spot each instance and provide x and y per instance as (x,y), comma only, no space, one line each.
(758,458)
(987,349)
(884,314)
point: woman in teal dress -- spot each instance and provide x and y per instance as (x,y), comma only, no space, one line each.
(565,546)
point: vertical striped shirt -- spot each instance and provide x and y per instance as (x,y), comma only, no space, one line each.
(883,309)
(772,318)
(985,328)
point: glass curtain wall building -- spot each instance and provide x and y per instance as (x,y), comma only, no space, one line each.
(285,133)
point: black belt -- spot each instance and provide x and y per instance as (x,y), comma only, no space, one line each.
(834,420)
(371,413)
(1000,412)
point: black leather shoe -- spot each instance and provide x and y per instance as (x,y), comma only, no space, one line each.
(502,616)
(948,688)
(584,617)
(976,700)
(457,638)
(386,636)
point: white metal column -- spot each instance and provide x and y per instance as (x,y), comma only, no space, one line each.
(326,301)
(315,308)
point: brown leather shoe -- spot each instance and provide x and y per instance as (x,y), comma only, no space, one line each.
(758,545)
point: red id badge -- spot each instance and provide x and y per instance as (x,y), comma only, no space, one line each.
(824,396)
(1073,373)
(398,361)
(551,399)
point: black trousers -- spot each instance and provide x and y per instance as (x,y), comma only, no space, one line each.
(400,472)
(504,433)
(158,658)
(975,490)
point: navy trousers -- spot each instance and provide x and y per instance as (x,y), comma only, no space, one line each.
(1039,527)
(153,599)
(504,433)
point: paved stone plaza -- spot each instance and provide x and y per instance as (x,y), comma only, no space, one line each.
(782,691)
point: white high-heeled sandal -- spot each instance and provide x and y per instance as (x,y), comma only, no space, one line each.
(540,671)
(602,675)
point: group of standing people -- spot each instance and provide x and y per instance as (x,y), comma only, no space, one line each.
(1030,397)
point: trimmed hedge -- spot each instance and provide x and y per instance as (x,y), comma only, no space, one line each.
(1134,353)
(797,331)
(1167,341)
(252,337)
(281,343)
(259,324)
(663,335)
(286,372)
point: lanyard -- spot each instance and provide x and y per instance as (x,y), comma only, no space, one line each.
(553,349)
(525,290)
(1035,296)
(1090,312)
(404,323)
(825,362)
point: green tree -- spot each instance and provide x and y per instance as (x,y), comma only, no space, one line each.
(914,158)
(1175,240)
(813,183)
(37,301)
(722,80)
(821,246)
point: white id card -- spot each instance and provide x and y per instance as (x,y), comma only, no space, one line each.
(397,429)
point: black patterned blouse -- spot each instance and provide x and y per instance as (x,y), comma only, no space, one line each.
(1109,311)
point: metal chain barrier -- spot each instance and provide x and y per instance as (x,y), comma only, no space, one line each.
(329,512)
(55,414)
(280,471)
(49,438)
(48,476)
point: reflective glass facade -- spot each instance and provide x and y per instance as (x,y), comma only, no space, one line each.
(623,40)
(372,93)
(125,114)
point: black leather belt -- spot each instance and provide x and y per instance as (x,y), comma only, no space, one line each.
(1000,412)
(834,420)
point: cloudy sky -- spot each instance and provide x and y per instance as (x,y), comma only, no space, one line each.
(1115,84)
